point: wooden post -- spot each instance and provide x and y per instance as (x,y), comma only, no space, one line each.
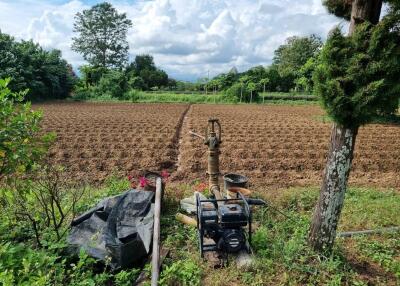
(155,262)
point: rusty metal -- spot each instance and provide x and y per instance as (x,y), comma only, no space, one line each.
(213,141)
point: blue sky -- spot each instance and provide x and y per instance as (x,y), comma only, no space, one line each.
(186,37)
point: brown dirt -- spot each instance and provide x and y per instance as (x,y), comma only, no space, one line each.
(282,146)
(96,140)
(275,146)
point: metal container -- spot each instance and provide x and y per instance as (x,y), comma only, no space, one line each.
(234,180)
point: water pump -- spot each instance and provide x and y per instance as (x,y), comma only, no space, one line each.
(227,222)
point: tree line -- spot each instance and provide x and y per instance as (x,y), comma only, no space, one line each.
(291,70)
(101,38)
(44,74)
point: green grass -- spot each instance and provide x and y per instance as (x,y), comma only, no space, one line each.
(282,256)
(393,119)
(185,98)
(288,96)
(210,98)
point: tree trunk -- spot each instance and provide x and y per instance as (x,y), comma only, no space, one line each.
(251,96)
(364,10)
(264,94)
(327,212)
(336,174)
(241,93)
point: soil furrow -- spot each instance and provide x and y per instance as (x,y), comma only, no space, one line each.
(178,136)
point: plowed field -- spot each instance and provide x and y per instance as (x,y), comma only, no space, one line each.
(279,146)
(95,140)
(275,146)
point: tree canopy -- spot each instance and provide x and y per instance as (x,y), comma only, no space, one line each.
(145,73)
(44,73)
(102,36)
(357,78)
(292,55)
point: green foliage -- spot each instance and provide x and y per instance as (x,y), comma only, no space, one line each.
(240,91)
(304,82)
(20,143)
(143,74)
(91,75)
(365,204)
(281,242)
(102,36)
(282,255)
(44,73)
(357,78)
(182,272)
(113,83)
(292,55)
(126,277)
(21,265)
(339,8)
(385,253)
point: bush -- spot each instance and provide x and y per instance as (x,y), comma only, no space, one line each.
(132,95)
(113,84)
(20,143)
(238,91)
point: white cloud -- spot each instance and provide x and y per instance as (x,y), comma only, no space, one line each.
(187,38)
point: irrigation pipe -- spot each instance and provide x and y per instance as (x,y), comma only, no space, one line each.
(369,231)
(349,233)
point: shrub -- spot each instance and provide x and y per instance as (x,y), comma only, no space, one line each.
(239,92)
(113,84)
(132,95)
(21,146)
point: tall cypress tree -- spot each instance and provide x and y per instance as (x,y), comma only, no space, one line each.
(356,80)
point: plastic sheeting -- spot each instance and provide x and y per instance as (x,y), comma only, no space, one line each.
(119,229)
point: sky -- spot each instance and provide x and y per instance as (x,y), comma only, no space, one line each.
(188,38)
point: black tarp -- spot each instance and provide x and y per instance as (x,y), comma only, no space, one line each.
(118,228)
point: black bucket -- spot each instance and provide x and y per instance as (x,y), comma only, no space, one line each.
(234,180)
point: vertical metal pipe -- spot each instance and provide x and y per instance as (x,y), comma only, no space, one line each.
(155,262)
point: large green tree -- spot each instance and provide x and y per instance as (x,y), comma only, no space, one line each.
(44,73)
(144,67)
(357,80)
(292,55)
(101,36)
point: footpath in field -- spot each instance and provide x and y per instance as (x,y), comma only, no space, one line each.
(282,146)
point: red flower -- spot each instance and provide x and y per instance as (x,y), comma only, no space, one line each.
(143,182)
(165,174)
